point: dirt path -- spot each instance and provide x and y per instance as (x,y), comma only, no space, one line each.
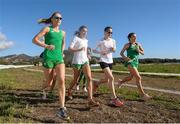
(23,103)
(44,111)
(129,85)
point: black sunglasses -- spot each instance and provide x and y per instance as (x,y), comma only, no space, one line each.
(55,17)
(109,32)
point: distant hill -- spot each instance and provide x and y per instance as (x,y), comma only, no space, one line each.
(26,59)
(16,59)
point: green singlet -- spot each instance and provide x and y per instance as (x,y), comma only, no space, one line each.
(53,57)
(133,55)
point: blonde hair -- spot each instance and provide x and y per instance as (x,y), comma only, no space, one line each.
(47,20)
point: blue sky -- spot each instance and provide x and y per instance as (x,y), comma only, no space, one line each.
(156,23)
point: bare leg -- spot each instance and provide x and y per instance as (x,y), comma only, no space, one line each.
(115,101)
(87,73)
(48,73)
(135,72)
(97,83)
(108,74)
(74,81)
(60,71)
(53,82)
(126,79)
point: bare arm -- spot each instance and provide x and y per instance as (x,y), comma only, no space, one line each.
(42,43)
(72,45)
(126,46)
(89,53)
(75,50)
(112,49)
(64,41)
(104,52)
(140,49)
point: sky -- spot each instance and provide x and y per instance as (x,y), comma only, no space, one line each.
(156,23)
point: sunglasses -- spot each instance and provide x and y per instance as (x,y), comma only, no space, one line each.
(109,32)
(57,18)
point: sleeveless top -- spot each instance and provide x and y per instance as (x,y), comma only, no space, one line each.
(133,55)
(53,38)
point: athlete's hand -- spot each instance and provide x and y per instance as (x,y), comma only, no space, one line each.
(83,48)
(103,52)
(50,47)
(112,49)
(127,59)
(137,49)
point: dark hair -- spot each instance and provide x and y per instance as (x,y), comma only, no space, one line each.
(80,28)
(130,34)
(107,28)
(48,20)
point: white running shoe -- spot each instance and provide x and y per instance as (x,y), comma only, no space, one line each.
(84,89)
(44,95)
(146,97)
(77,87)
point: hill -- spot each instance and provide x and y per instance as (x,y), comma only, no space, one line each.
(26,59)
(17,59)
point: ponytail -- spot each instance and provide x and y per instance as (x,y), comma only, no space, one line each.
(48,20)
(76,33)
(80,28)
(45,21)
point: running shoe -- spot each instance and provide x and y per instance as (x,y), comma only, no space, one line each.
(70,97)
(146,97)
(84,89)
(116,102)
(62,113)
(119,83)
(77,87)
(44,95)
(93,103)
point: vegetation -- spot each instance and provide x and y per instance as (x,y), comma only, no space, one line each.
(15,109)
(156,68)
(36,60)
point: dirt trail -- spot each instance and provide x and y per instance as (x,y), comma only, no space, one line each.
(44,111)
(129,85)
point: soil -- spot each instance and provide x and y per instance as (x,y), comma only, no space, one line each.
(133,111)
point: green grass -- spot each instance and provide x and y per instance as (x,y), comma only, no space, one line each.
(157,68)
(167,101)
(171,102)
(13,109)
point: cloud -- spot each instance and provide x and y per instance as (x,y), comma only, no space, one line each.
(2,37)
(4,42)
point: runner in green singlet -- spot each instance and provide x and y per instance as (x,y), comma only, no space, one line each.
(54,45)
(131,62)
(133,55)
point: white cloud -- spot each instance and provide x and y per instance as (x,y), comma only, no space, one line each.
(2,37)
(4,42)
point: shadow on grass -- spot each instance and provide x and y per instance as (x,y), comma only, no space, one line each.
(32,97)
(14,104)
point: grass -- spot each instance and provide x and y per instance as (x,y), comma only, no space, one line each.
(13,109)
(156,68)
